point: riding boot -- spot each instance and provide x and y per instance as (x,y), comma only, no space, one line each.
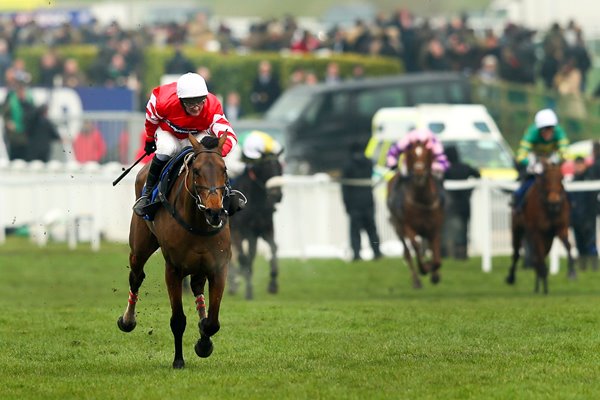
(151,181)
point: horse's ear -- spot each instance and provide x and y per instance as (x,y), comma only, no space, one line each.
(195,144)
(222,140)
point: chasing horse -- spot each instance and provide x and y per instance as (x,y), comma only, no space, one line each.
(415,200)
(539,217)
(261,182)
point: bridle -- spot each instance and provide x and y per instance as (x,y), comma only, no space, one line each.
(197,189)
(212,190)
(552,205)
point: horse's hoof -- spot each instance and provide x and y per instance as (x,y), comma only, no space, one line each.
(273,287)
(178,364)
(435,279)
(510,280)
(123,326)
(204,347)
(417,285)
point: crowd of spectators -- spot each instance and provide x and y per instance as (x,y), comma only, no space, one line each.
(418,42)
(559,57)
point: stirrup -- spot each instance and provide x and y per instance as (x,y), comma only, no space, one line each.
(141,204)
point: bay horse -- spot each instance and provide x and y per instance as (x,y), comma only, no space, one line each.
(192,231)
(260,184)
(545,215)
(416,210)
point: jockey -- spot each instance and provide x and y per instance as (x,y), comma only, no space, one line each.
(175,110)
(440,162)
(252,146)
(544,137)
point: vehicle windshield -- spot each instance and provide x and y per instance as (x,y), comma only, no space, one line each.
(482,154)
(289,106)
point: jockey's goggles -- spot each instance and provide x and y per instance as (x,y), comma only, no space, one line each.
(193,101)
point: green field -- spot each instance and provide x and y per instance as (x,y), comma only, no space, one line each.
(336,331)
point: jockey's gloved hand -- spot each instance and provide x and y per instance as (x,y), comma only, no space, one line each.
(150,147)
(535,169)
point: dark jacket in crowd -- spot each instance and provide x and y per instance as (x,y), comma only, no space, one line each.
(459,199)
(42,134)
(264,93)
(357,196)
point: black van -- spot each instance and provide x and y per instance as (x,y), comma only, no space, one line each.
(320,122)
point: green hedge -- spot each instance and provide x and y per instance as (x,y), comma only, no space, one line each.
(229,71)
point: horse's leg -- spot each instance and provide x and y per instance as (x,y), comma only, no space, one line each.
(142,244)
(274,262)
(436,257)
(563,235)
(419,253)
(247,266)
(517,238)
(210,325)
(178,321)
(409,260)
(233,271)
(540,247)
(174,280)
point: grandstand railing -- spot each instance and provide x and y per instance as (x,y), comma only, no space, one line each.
(75,203)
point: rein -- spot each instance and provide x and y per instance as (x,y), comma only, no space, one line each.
(197,199)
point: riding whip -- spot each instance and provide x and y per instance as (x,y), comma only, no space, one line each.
(125,172)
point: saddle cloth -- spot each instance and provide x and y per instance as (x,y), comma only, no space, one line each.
(166,181)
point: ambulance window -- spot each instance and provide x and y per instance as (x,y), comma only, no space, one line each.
(482,127)
(437,127)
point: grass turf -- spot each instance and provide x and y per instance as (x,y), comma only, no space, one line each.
(336,330)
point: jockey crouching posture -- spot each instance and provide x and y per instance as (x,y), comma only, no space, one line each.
(543,137)
(174,111)
(440,163)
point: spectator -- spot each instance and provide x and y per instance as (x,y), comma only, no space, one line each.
(488,72)
(358,72)
(233,107)
(297,76)
(18,110)
(206,73)
(332,73)
(117,72)
(5,60)
(312,78)
(50,69)
(89,144)
(583,218)
(357,195)
(179,63)
(458,207)
(72,77)
(42,133)
(265,88)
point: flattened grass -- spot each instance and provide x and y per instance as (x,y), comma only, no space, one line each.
(336,330)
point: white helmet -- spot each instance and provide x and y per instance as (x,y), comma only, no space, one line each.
(191,85)
(258,143)
(544,118)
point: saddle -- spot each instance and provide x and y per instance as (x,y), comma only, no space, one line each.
(166,181)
